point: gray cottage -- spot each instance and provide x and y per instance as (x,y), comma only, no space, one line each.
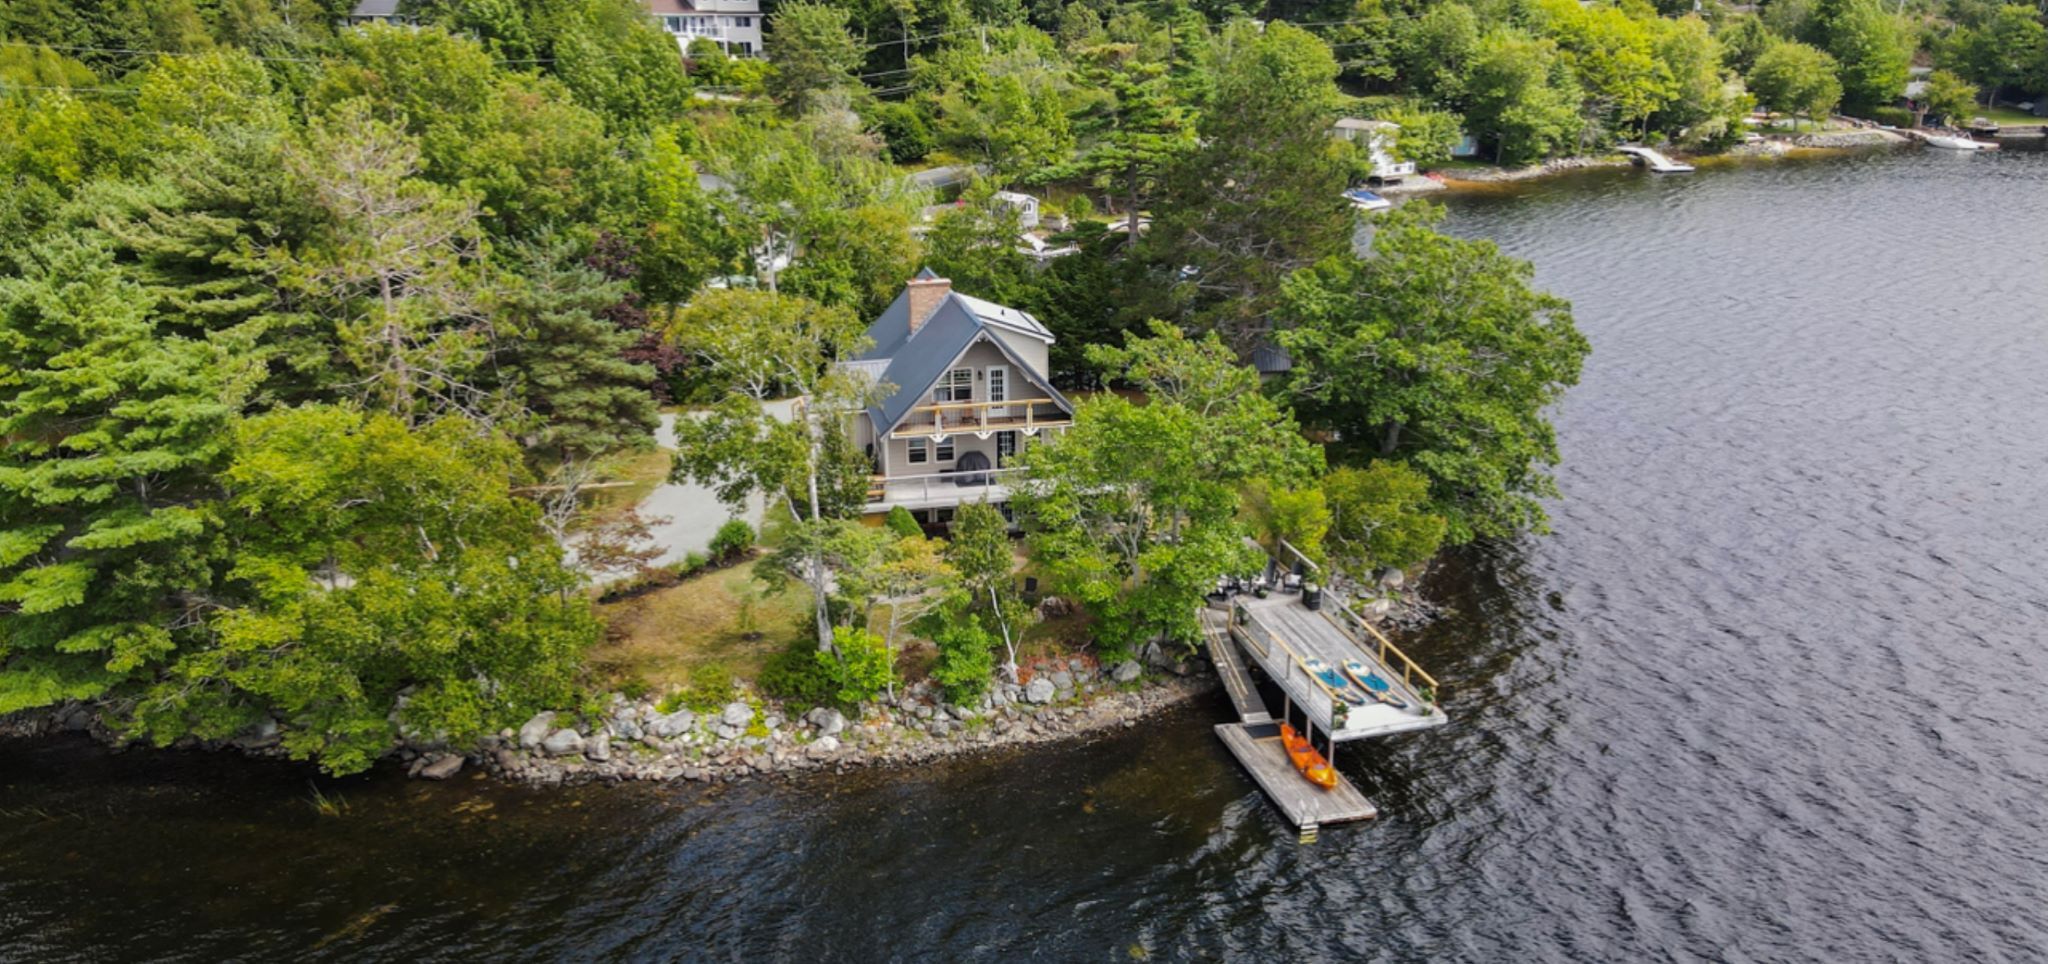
(965,390)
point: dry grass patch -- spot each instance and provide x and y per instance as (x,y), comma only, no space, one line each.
(719,618)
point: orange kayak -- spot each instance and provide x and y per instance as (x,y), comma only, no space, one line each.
(1320,774)
(1292,739)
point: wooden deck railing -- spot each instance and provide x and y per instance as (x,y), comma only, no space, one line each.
(907,488)
(1410,669)
(1021,413)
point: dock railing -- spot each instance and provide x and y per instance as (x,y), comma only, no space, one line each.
(1368,635)
(1267,641)
(1410,670)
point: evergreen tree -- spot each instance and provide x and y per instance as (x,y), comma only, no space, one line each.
(1134,127)
(110,431)
(566,367)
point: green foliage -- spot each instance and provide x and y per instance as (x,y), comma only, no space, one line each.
(1262,195)
(1797,79)
(1134,511)
(975,244)
(711,687)
(110,432)
(1436,350)
(967,657)
(1379,517)
(2010,49)
(1949,97)
(814,53)
(1427,136)
(798,676)
(1871,47)
(384,568)
(566,366)
(859,665)
(901,522)
(732,540)
(1300,517)
(904,131)
(1521,98)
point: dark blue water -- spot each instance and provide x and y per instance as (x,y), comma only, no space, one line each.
(1774,690)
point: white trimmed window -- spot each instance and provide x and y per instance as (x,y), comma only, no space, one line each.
(955,386)
(919,454)
(946,450)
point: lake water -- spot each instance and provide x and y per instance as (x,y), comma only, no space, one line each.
(1774,690)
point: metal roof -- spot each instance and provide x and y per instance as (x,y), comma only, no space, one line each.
(914,362)
(376,8)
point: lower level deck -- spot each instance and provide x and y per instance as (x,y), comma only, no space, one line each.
(1307,806)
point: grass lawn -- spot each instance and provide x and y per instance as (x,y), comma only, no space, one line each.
(659,639)
(2008,115)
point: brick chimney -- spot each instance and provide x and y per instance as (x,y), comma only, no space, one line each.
(927,291)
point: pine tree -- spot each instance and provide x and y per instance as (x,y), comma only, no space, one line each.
(110,432)
(567,364)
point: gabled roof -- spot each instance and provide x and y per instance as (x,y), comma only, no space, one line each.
(914,362)
(375,8)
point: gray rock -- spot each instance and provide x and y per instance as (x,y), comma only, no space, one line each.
(727,731)
(772,721)
(442,767)
(1040,690)
(823,745)
(508,760)
(1156,655)
(960,713)
(563,743)
(736,714)
(1394,579)
(673,725)
(1126,671)
(598,749)
(830,722)
(627,728)
(536,729)
(924,711)
(1061,679)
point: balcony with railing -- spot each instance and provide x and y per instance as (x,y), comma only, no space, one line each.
(941,489)
(946,418)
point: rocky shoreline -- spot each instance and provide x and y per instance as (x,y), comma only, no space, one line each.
(750,737)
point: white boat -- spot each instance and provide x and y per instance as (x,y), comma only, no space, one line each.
(1365,200)
(1953,143)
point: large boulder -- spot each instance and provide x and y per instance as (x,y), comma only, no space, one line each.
(536,729)
(672,725)
(736,714)
(598,748)
(442,767)
(829,721)
(1126,671)
(563,742)
(1040,690)
(823,746)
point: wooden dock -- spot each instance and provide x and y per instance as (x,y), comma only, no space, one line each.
(1305,805)
(1244,694)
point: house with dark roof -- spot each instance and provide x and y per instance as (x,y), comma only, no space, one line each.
(963,391)
(378,11)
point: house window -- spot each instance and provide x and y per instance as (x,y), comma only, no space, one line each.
(746,48)
(745,21)
(946,449)
(1009,514)
(919,454)
(956,386)
(674,24)
(1006,448)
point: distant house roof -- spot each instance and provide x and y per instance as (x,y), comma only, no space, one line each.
(1272,360)
(913,362)
(1363,124)
(375,8)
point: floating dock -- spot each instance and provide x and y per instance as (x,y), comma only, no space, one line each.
(1275,631)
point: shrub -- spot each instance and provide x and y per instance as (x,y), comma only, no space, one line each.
(734,538)
(1894,116)
(906,133)
(862,666)
(901,522)
(1079,208)
(797,678)
(692,563)
(710,688)
(967,658)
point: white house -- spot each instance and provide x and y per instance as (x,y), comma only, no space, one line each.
(377,11)
(735,25)
(1378,136)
